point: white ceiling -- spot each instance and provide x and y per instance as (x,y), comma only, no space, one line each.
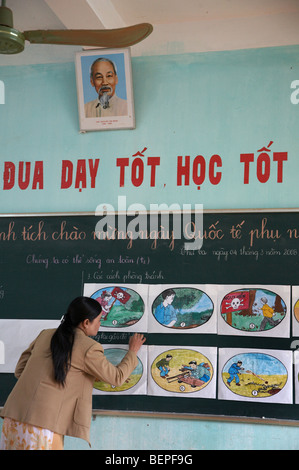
(179,25)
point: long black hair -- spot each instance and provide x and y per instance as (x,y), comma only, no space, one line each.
(62,341)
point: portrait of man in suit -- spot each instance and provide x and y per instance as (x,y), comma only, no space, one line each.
(105,89)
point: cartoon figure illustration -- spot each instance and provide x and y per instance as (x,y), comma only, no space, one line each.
(254,374)
(115,355)
(253,309)
(182,307)
(104,300)
(268,314)
(234,372)
(163,365)
(165,313)
(193,374)
(201,371)
(122,306)
(184,378)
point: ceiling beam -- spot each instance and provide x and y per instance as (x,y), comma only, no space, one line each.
(107,13)
(75,14)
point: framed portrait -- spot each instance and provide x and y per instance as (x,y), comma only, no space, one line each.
(105,89)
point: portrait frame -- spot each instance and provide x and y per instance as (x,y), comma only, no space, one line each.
(117,112)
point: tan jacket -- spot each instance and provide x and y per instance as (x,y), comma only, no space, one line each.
(38,400)
(117,107)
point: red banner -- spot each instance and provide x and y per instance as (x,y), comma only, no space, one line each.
(120,294)
(235,301)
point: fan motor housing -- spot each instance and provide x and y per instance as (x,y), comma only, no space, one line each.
(12,41)
(6,18)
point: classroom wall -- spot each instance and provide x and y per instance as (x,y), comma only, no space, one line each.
(239,105)
(223,124)
(114,433)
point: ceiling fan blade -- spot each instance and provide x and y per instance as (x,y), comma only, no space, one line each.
(121,37)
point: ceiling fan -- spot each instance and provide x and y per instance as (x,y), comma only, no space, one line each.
(12,41)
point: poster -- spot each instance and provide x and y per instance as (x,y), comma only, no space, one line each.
(105,89)
(296,375)
(124,307)
(255,375)
(16,336)
(295,310)
(182,309)
(254,310)
(182,371)
(136,383)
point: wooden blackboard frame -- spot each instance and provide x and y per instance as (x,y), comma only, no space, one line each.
(275,415)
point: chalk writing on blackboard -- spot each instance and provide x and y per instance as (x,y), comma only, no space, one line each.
(264,229)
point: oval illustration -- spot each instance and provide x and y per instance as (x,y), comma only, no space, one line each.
(182,307)
(115,355)
(254,375)
(121,306)
(296,310)
(253,309)
(181,371)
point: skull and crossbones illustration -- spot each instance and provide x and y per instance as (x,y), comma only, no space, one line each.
(234,304)
(120,295)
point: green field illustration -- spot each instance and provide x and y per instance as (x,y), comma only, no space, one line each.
(115,355)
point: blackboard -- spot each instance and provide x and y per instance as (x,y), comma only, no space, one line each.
(45,259)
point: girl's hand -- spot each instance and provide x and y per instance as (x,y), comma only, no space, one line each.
(136,341)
